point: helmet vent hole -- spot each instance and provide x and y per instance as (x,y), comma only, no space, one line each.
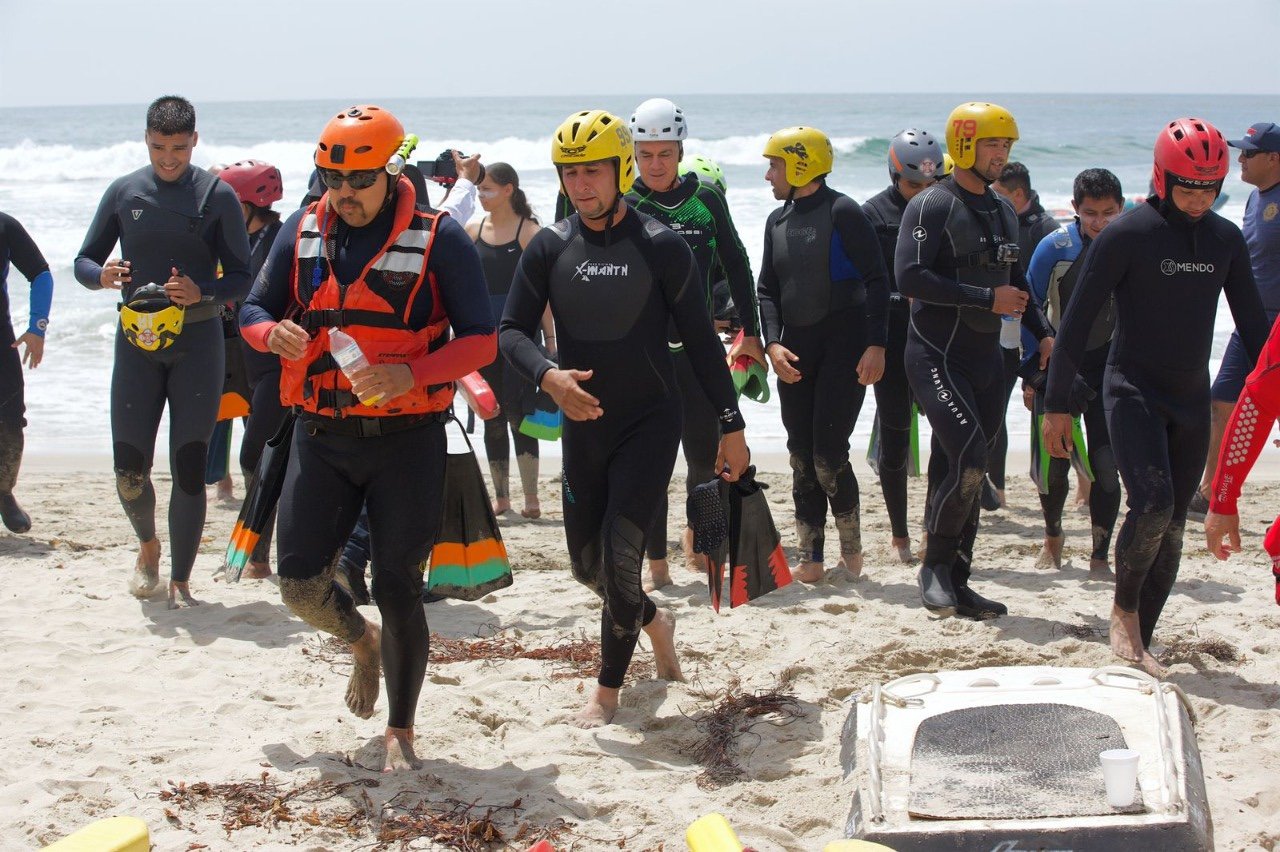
(364,149)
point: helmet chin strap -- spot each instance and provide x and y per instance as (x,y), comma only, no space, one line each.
(980,176)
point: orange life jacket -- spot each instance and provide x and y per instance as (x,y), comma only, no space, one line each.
(374,310)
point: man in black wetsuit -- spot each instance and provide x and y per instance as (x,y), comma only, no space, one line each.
(1165,262)
(915,163)
(615,279)
(696,210)
(397,278)
(824,294)
(19,250)
(176,224)
(957,259)
(1033,224)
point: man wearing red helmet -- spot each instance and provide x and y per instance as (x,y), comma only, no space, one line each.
(258,185)
(367,260)
(1165,262)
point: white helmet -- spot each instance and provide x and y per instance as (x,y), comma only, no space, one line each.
(658,120)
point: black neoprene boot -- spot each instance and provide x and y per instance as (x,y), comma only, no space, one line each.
(936,591)
(14,518)
(970,604)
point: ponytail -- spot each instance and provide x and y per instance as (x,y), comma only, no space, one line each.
(520,204)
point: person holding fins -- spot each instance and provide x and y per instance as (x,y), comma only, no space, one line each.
(17,249)
(1053,273)
(615,279)
(176,224)
(1165,263)
(957,260)
(824,295)
(500,238)
(915,163)
(696,210)
(367,260)
(258,185)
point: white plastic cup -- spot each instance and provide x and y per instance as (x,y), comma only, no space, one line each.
(1120,774)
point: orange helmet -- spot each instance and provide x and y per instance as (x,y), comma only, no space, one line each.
(360,138)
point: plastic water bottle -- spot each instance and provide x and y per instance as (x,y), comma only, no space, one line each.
(1010,332)
(350,357)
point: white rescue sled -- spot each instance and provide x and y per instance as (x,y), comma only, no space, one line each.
(1005,759)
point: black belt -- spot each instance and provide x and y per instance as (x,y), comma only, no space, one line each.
(368,427)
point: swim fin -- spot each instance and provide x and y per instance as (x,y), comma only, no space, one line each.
(546,421)
(732,526)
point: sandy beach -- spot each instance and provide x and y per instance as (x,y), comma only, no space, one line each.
(119,706)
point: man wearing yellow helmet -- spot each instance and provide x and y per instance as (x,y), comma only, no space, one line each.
(176,224)
(615,279)
(405,284)
(824,297)
(957,259)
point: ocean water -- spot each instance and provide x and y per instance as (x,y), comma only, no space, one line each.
(56,162)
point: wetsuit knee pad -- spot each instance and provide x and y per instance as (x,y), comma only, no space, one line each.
(131,470)
(321,603)
(803,472)
(189,463)
(625,597)
(827,474)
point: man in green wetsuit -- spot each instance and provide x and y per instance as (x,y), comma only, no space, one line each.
(696,210)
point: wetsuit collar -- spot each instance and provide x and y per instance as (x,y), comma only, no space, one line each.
(685,187)
(625,227)
(813,200)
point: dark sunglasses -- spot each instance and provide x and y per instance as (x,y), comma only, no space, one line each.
(1249,155)
(357,180)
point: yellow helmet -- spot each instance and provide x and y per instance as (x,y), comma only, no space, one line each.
(806,151)
(973,121)
(149,320)
(594,135)
(948,166)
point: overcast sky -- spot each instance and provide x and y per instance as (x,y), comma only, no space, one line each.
(128,51)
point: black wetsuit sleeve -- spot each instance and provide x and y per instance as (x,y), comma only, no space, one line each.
(272,294)
(733,259)
(231,247)
(104,233)
(1104,266)
(23,252)
(456,266)
(769,289)
(1246,304)
(920,240)
(676,272)
(526,302)
(862,247)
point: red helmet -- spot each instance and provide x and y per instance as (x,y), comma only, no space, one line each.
(1190,152)
(254,181)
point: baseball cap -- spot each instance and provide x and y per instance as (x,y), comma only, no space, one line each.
(1263,136)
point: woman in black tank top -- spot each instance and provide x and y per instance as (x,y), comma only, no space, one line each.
(500,238)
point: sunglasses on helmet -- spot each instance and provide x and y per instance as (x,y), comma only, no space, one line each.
(334,179)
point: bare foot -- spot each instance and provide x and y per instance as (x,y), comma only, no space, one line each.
(659,575)
(1051,554)
(181,590)
(225,492)
(1151,665)
(146,570)
(362,689)
(1082,492)
(662,633)
(400,753)
(848,568)
(532,508)
(1126,636)
(809,572)
(599,711)
(1099,568)
(501,506)
(691,560)
(256,571)
(903,548)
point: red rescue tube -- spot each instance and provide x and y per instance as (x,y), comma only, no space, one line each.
(479,396)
